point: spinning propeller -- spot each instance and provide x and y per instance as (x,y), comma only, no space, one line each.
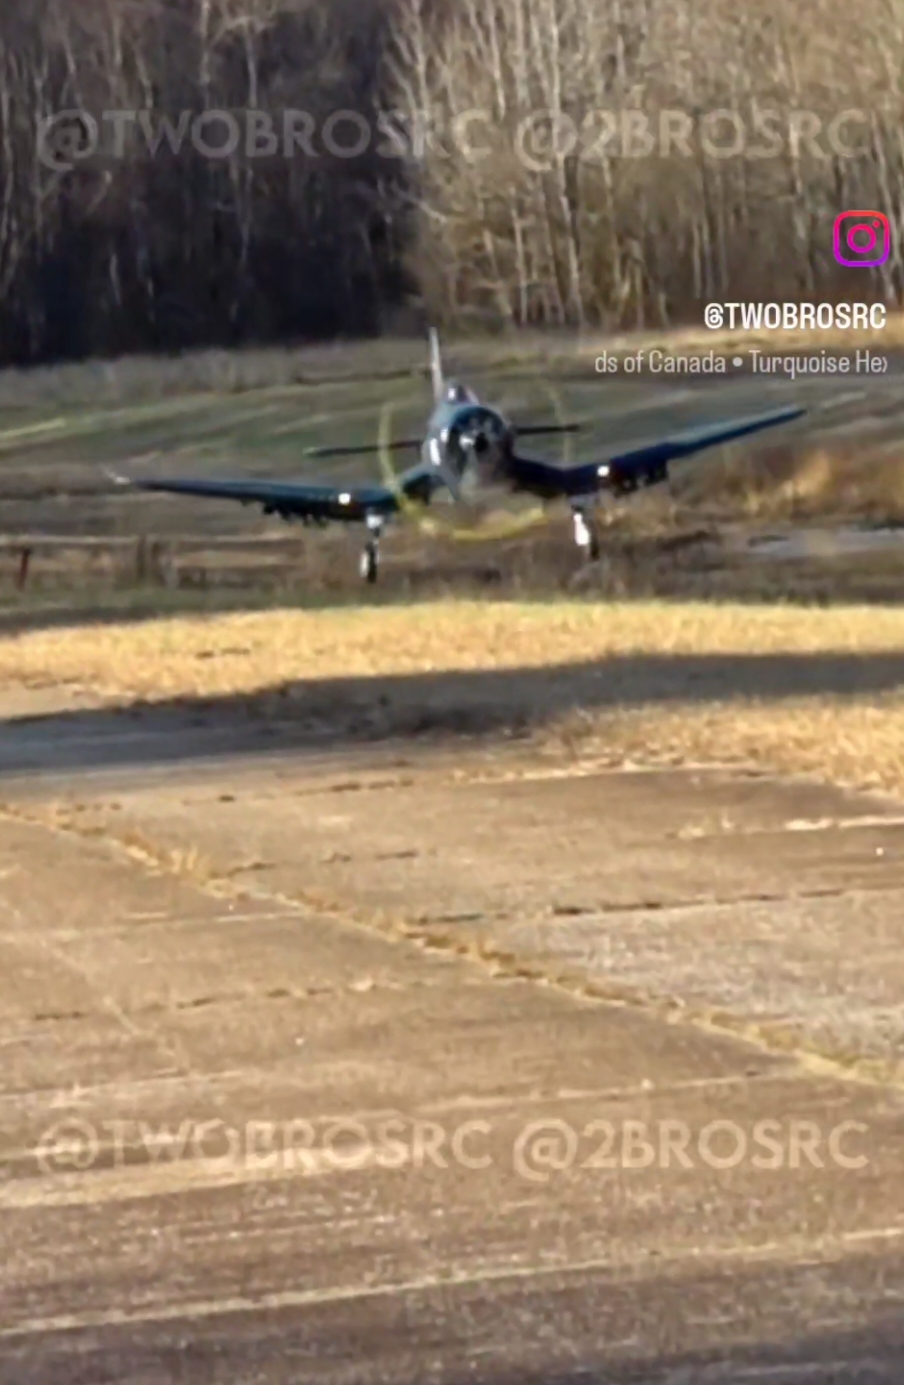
(474,441)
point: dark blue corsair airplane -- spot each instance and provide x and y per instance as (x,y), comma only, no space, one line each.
(469,450)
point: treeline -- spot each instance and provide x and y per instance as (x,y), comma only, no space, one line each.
(539,162)
(148,243)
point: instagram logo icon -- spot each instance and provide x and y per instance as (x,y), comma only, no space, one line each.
(867,238)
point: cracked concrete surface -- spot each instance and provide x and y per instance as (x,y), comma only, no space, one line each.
(445,1067)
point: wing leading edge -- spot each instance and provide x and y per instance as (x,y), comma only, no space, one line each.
(299,500)
(643,464)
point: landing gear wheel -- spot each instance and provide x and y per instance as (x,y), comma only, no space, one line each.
(369,563)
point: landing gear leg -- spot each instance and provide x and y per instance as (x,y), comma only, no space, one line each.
(586,535)
(369,564)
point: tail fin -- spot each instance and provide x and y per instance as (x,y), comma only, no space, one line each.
(436,365)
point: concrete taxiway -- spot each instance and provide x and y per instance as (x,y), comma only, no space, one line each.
(441,1065)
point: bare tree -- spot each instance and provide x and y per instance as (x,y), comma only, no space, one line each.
(542,162)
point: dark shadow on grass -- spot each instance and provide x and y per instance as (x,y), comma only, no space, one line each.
(341,713)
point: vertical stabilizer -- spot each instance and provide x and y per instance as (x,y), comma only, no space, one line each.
(436,366)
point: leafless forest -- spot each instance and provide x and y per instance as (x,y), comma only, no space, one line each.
(542,162)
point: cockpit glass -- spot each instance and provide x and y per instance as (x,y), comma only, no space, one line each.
(458,394)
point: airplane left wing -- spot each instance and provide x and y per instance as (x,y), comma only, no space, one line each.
(289,500)
(641,466)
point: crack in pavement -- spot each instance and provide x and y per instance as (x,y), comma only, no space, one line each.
(200,1002)
(503,964)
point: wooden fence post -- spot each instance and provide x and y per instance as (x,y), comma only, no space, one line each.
(22,574)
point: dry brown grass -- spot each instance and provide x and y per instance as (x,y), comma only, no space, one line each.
(852,735)
(855,744)
(224,655)
(841,481)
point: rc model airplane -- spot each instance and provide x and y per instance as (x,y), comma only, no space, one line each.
(469,449)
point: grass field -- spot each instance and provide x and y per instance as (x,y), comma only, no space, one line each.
(814,691)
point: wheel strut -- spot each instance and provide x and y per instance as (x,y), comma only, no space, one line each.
(586,535)
(369,564)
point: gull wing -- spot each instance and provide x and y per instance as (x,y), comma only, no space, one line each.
(290,500)
(303,500)
(641,465)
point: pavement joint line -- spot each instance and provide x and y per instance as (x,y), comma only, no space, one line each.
(528,967)
(478,778)
(70,827)
(775,1252)
(208,1001)
(703,902)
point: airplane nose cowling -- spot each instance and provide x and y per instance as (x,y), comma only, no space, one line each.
(480,457)
(475,447)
